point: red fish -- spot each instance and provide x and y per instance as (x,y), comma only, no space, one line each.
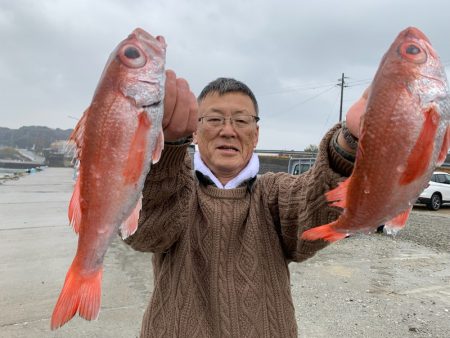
(117,138)
(404,135)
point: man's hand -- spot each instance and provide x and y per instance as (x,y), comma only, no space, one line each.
(352,120)
(355,112)
(180,108)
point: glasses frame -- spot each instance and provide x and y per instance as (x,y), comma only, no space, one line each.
(200,119)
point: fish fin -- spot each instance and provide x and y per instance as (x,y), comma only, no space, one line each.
(136,155)
(420,156)
(76,137)
(325,232)
(74,207)
(444,148)
(130,226)
(158,148)
(81,293)
(399,221)
(338,195)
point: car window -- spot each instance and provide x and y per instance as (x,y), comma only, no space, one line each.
(440,178)
(433,178)
(304,167)
(447,179)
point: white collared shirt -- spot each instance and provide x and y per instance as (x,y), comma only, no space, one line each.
(250,171)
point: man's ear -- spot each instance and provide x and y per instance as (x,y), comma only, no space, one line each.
(194,137)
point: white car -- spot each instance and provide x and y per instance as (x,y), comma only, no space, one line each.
(437,192)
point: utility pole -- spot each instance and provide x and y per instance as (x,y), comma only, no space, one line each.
(342,85)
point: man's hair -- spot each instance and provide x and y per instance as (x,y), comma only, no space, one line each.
(224,85)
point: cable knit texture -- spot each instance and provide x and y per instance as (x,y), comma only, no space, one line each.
(221,257)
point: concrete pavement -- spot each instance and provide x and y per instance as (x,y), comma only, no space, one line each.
(36,248)
(366,286)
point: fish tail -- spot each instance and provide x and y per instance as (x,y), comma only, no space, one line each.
(81,293)
(325,232)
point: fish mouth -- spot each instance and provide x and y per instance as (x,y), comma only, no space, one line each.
(415,33)
(142,35)
(150,82)
(152,105)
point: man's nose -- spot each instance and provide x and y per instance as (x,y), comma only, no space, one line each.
(228,128)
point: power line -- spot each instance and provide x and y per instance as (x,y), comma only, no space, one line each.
(313,86)
(330,112)
(299,88)
(359,81)
(308,99)
(358,84)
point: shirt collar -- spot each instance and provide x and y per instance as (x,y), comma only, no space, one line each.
(246,174)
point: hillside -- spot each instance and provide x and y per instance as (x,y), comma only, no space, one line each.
(32,136)
(9,153)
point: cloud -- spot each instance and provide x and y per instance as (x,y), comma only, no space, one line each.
(291,53)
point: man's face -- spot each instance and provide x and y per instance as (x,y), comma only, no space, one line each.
(226,149)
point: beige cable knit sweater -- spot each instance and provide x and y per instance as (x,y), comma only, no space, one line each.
(221,256)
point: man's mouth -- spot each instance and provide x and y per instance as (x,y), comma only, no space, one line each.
(228,148)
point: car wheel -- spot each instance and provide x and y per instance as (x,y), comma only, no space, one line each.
(435,202)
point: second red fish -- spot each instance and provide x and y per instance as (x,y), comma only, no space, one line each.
(404,135)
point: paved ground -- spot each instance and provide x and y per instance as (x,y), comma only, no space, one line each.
(365,286)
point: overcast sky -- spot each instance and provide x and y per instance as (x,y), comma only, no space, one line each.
(291,53)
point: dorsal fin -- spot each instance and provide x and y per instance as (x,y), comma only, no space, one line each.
(77,135)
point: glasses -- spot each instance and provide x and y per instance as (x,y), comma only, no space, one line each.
(238,121)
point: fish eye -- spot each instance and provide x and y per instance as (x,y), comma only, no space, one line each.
(412,49)
(132,53)
(413,52)
(132,56)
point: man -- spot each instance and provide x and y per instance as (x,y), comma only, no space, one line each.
(222,239)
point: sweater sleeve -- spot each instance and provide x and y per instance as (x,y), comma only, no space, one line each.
(166,194)
(297,203)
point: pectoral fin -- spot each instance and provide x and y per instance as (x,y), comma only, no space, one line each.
(136,155)
(420,157)
(444,148)
(156,155)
